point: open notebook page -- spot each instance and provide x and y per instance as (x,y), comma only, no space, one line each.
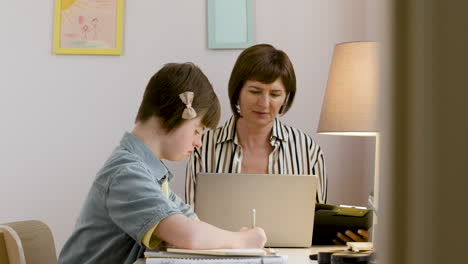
(226,252)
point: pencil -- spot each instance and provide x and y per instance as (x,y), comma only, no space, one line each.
(253,217)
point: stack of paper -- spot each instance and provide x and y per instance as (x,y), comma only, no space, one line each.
(212,256)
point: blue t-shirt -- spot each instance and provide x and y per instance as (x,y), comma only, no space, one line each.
(125,200)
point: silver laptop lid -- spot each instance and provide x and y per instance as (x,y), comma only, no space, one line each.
(284,204)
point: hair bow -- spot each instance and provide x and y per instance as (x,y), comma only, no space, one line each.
(187,99)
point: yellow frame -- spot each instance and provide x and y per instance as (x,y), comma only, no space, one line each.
(118,36)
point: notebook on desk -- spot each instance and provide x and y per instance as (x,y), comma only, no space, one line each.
(179,252)
(215,256)
(284,204)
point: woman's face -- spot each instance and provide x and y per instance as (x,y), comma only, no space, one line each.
(260,103)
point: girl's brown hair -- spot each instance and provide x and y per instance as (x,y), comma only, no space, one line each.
(161,97)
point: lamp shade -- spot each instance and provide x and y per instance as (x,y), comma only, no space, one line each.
(349,105)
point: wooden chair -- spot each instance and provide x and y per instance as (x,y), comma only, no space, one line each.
(28,242)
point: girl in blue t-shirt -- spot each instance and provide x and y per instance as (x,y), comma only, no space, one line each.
(130,206)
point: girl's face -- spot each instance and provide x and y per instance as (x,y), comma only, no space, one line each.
(260,103)
(181,142)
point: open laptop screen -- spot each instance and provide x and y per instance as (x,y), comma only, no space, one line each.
(284,204)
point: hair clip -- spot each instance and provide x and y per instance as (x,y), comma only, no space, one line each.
(187,99)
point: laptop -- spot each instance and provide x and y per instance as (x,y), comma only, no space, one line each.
(284,204)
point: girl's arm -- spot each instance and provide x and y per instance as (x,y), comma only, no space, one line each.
(184,232)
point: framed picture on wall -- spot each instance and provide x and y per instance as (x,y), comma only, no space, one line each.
(88,27)
(230,24)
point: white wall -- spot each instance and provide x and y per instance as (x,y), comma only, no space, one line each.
(62,115)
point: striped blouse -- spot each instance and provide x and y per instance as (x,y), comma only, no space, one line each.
(294,152)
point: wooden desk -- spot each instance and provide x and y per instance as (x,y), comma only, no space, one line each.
(295,255)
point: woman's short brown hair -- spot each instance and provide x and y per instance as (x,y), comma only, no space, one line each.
(161,97)
(263,63)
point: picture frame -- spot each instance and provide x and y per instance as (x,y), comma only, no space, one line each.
(92,27)
(230,24)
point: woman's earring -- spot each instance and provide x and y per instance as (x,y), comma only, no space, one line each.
(238,108)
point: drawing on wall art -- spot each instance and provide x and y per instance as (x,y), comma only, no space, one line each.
(88,27)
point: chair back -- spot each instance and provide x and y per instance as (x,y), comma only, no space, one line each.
(28,242)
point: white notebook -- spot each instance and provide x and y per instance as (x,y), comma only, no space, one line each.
(176,252)
(212,256)
(223,260)
(226,252)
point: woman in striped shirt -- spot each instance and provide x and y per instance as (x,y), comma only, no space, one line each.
(261,87)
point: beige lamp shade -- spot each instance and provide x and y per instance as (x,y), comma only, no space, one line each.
(349,105)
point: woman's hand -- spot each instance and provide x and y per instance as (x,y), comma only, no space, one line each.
(349,236)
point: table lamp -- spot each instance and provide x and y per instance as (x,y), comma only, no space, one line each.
(349,105)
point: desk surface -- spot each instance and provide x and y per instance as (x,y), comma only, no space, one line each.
(295,255)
